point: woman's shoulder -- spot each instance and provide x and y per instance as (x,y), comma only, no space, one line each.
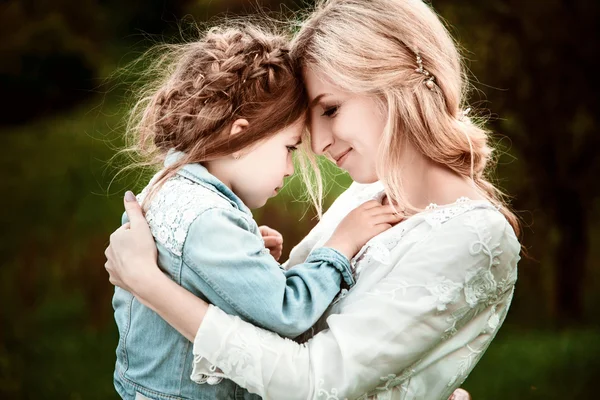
(473,230)
(453,230)
(469,217)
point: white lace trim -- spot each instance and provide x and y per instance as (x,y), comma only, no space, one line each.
(215,377)
(174,207)
(377,250)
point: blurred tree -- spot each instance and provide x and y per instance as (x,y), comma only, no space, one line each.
(206,9)
(53,51)
(50,53)
(543,54)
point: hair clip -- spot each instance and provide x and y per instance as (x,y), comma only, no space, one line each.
(429,82)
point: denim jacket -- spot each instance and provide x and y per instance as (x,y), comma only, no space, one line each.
(209,243)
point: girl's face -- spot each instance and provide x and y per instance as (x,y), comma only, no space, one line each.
(344,126)
(259,172)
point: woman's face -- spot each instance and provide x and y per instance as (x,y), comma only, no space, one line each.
(346,127)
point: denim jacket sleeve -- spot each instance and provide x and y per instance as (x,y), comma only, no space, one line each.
(227,262)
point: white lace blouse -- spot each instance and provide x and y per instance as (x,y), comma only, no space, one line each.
(431,293)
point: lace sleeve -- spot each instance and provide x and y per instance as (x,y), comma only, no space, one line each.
(462,271)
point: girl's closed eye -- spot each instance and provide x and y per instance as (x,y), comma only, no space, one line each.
(291,149)
(330,111)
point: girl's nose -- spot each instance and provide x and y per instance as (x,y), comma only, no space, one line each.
(289,170)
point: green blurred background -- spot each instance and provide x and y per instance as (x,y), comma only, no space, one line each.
(61,121)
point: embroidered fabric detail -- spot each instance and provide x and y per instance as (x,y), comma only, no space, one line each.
(332,394)
(462,199)
(472,298)
(174,207)
(438,215)
(215,378)
(481,289)
(465,364)
(237,361)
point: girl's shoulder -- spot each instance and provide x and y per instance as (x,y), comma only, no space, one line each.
(176,205)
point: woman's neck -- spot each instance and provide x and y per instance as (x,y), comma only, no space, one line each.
(425,182)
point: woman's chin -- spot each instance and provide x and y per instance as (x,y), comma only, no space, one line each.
(362,177)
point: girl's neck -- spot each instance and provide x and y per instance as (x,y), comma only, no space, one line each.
(219,170)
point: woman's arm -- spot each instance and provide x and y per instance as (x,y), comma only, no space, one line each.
(450,280)
(142,277)
(233,272)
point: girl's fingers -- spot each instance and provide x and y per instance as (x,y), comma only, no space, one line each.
(369,205)
(386,219)
(272,241)
(386,209)
(380,228)
(266,231)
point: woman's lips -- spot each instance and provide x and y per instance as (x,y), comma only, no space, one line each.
(340,160)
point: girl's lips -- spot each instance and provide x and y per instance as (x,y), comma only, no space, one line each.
(340,160)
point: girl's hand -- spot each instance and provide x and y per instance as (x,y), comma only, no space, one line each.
(131,256)
(360,225)
(273,241)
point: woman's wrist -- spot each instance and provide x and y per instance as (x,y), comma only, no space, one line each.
(148,284)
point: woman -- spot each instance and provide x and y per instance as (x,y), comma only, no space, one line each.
(387,104)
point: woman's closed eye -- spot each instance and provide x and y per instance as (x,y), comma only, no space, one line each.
(330,111)
(291,149)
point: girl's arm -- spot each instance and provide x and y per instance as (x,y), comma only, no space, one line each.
(232,269)
(454,285)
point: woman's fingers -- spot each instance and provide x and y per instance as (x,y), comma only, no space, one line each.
(460,394)
(134,211)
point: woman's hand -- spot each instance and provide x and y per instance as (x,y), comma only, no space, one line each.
(131,256)
(460,394)
(273,241)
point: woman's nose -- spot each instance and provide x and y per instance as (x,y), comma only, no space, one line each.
(320,138)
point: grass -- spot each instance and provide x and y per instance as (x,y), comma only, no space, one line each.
(538,365)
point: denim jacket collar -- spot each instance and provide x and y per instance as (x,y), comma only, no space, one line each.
(199,174)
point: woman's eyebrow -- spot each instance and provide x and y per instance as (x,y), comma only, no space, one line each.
(314,101)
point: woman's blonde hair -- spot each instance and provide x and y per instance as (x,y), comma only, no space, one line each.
(196,90)
(371,47)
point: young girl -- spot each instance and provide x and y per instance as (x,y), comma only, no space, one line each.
(226,118)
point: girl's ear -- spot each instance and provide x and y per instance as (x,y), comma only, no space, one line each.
(239,125)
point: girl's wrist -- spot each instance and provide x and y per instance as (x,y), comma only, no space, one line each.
(344,249)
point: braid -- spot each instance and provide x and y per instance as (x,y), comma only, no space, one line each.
(201,88)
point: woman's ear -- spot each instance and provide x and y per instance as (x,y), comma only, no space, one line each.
(239,125)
